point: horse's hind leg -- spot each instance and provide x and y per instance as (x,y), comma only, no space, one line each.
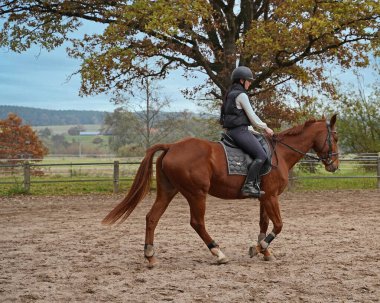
(197,205)
(165,194)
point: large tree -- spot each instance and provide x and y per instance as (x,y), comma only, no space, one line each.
(287,43)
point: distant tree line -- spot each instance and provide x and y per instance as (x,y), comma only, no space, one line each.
(130,134)
(43,117)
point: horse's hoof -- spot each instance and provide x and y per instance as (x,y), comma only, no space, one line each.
(268,256)
(152,262)
(252,251)
(223,260)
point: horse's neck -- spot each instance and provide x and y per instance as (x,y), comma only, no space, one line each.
(302,142)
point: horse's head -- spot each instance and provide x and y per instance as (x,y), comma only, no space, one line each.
(326,145)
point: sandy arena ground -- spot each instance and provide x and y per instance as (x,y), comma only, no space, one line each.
(54,249)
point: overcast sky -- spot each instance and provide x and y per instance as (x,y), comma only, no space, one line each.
(40,79)
(37,78)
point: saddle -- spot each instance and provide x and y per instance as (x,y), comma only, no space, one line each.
(238,161)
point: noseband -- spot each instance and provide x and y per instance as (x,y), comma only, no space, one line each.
(326,159)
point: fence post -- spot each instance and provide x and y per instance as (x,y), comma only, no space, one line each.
(291,182)
(27,176)
(116,177)
(378,171)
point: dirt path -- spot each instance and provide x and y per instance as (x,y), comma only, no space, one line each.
(53,249)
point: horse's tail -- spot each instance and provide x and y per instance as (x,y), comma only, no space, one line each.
(140,188)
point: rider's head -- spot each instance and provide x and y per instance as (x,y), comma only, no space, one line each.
(243,75)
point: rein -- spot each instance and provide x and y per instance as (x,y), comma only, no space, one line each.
(327,160)
(298,151)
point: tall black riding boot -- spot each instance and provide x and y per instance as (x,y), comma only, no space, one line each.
(251,187)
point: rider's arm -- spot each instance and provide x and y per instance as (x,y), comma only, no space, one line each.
(242,102)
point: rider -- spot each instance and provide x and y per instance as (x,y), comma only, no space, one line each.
(236,115)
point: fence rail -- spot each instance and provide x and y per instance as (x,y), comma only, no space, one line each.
(366,161)
(26,170)
(125,170)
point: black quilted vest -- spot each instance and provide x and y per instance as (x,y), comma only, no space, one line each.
(231,116)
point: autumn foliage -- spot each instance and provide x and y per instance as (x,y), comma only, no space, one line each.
(19,141)
(290,45)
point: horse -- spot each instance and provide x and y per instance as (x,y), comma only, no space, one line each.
(196,167)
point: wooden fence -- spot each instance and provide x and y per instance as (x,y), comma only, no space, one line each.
(110,171)
(115,174)
(368,161)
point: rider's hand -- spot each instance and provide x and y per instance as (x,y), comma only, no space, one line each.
(269,131)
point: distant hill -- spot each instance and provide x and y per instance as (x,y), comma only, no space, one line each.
(43,117)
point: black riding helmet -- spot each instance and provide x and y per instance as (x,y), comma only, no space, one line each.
(242,72)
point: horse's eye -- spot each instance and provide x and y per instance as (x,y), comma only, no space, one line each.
(335,135)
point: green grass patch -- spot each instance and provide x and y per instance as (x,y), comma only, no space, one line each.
(74,160)
(341,183)
(58,185)
(8,190)
(349,176)
(64,186)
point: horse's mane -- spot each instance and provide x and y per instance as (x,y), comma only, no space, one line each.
(296,130)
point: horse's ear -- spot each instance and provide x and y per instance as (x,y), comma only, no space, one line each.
(333,120)
(323,117)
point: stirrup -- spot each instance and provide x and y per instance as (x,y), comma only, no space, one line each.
(252,190)
(255,195)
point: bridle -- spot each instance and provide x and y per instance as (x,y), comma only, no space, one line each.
(326,158)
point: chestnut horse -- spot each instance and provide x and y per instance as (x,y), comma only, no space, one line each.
(196,167)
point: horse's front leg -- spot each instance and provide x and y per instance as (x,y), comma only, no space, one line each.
(269,209)
(264,223)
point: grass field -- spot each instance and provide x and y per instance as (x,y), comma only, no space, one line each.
(62,129)
(76,145)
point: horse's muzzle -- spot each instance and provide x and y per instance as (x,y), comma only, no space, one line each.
(331,167)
